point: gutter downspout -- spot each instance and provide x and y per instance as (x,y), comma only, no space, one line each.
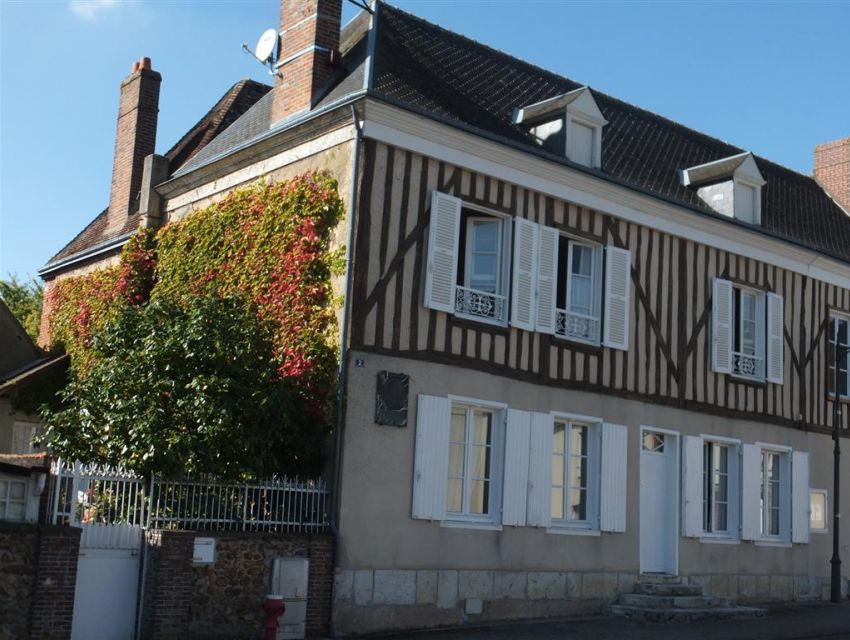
(346,320)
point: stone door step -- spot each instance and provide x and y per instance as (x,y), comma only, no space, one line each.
(672,602)
(667,589)
(649,614)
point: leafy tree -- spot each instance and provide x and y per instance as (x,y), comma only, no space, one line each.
(187,387)
(24,301)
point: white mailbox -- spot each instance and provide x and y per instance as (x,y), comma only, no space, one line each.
(289,580)
(204,551)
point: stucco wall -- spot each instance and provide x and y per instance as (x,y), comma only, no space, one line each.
(377,492)
(8,416)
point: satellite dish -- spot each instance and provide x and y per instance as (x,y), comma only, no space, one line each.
(266,45)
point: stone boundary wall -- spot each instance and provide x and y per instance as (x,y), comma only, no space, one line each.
(223,600)
(38,577)
(367,601)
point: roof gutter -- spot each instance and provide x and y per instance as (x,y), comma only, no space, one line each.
(87,254)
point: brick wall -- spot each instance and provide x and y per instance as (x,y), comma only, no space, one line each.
(224,600)
(38,575)
(832,169)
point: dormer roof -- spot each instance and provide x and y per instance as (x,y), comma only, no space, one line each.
(741,165)
(580,100)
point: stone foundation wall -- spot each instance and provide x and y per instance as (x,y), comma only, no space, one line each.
(368,600)
(224,599)
(38,576)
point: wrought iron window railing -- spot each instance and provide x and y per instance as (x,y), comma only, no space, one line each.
(481,304)
(576,326)
(747,365)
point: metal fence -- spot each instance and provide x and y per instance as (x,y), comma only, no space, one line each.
(91,496)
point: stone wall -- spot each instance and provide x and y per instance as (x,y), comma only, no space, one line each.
(38,575)
(224,599)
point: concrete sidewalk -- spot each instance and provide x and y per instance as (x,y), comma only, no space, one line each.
(794,622)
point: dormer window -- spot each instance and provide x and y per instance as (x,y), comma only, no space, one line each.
(730,186)
(569,124)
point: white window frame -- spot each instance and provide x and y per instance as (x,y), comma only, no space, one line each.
(825,494)
(492,518)
(594,466)
(504,262)
(30,427)
(6,499)
(595,126)
(596,290)
(737,183)
(733,490)
(784,453)
(836,317)
(760,344)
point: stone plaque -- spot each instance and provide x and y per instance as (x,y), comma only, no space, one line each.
(391,399)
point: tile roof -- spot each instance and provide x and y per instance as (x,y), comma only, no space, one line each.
(430,69)
(229,108)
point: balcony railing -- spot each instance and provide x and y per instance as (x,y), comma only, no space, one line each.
(747,366)
(576,326)
(480,304)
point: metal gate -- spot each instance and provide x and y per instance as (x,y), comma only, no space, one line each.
(109,505)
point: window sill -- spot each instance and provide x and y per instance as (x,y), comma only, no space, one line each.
(470,524)
(474,322)
(573,531)
(756,382)
(591,344)
(719,540)
(821,531)
(481,320)
(772,543)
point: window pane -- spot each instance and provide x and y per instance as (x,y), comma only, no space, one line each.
(581,295)
(558,442)
(456,452)
(557,503)
(774,522)
(16,511)
(653,442)
(454,497)
(485,236)
(458,425)
(2,510)
(720,517)
(4,488)
(818,510)
(481,427)
(480,462)
(582,260)
(557,470)
(17,490)
(723,455)
(578,504)
(578,440)
(479,496)
(484,266)
(842,331)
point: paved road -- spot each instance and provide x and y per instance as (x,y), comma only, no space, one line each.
(803,622)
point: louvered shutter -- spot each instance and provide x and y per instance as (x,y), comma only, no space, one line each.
(444,234)
(613,479)
(515,492)
(431,463)
(618,266)
(751,493)
(800,504)
(721,319)
(692,478)
(540,470)
(525,268)
(775,338)
(547,278)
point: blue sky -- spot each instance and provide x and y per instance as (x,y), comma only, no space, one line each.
(771,77)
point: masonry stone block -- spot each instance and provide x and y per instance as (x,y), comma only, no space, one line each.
(722,586)
(426,587)
(781,588)
(510,585)
(474,606)
(475,584)
(547,585)
(748,588)
(574,584)
(394,587)
(599,585)
(363,580)
(447,589)
(701,581)
(343,585)
(626,582)
(803,588)
(763,588)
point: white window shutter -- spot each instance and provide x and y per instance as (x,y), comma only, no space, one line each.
(800,497)
(721,319)
(547,278)
(618,269)
(515,492)
(444,234)
(540,470)
(524,274)
(751,493)
(613,478)
(431,464)
(775,338)
(692,486)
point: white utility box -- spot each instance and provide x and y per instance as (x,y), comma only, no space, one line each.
(204,551)
(289,580)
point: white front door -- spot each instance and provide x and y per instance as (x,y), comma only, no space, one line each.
(659,498)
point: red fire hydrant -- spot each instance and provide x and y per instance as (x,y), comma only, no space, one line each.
(274,608)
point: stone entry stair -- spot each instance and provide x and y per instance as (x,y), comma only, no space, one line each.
(671,599)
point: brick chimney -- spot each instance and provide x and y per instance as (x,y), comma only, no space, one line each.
(309,36)
(832,170)
(135,138)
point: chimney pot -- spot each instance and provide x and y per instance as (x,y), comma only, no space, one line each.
(145,63)
(832,170)
(135,67)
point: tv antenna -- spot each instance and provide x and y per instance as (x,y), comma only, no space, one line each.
(266,51)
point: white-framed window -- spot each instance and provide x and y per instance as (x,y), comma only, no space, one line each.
(468,260)
(584,140)
(711,487)
(575,474)
(747,201)
(818,511)
(839,332)
(747,332)
(13,499)
(22,436)
(773,499)
(471,491)
(579,290)
(775,494)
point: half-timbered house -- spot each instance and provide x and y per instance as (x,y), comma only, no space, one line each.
(580,342)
